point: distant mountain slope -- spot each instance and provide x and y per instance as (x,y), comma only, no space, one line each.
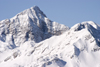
(35,46)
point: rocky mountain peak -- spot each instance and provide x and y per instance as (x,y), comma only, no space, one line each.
(30,24)
(86,24)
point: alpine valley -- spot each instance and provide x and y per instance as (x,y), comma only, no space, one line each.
(30,39)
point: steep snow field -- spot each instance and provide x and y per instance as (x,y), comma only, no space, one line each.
(55,45)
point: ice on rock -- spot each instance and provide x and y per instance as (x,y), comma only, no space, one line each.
(56,62)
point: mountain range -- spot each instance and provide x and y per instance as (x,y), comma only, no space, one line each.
(30,39)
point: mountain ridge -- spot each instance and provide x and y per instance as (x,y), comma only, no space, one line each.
(56,45)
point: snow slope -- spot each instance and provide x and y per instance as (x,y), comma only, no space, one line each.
(78,46)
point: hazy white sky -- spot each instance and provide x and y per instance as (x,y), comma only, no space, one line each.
(68,12)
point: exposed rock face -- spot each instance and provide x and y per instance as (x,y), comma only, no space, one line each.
(31,24)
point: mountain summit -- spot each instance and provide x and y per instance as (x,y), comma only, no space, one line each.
(30,39)
(31,24)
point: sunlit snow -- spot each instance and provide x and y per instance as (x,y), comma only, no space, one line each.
(30,39)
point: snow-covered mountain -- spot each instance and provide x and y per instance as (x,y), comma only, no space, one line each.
(30,39)
(31,24)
